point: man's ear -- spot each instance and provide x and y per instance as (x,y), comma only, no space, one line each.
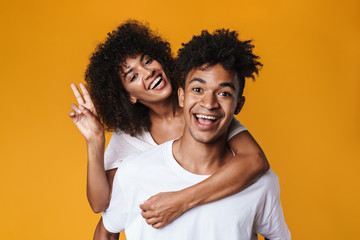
(132,99)
(181,96)
(239,105)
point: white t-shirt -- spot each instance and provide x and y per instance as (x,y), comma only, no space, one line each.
(257,209)
(122,145)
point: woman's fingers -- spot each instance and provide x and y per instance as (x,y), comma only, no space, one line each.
(154,221)
(147,206)
(72,114)
(85,93)
(75,108)
(158,225)
(77,94)
(86,111)
(165,207)
(148,214)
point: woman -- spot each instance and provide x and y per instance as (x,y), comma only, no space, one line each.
(133,81)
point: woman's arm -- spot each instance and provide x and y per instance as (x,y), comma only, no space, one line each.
(99,182)
(85,118)
(248,164)
(102,234)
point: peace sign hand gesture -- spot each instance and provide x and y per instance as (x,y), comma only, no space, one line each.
(85,116)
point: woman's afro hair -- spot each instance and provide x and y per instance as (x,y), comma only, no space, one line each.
(103,75)
(224,47)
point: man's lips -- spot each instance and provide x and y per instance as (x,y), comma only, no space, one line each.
(207,121)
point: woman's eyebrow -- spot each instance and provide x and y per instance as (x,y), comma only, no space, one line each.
(129,71)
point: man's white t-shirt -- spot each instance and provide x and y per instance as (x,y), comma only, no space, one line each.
(257,209)
(122,145)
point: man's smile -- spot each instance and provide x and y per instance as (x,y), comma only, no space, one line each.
(207,121)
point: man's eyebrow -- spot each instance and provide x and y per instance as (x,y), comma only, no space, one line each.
(225,84)
(197,80)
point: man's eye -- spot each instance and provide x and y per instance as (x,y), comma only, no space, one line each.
(133,77)
(197,89)
(225,94)
(148,61)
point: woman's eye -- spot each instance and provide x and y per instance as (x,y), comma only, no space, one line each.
(148,61)
(133,77)
(197,89)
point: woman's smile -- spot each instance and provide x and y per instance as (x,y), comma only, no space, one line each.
(145,80)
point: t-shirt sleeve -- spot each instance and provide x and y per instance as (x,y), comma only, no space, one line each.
(270,221)
(235,128)
(114,218)
(117,150)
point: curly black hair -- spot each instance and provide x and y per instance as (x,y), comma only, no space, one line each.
(224,47)
(103,79)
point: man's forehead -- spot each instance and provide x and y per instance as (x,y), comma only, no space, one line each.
(208,73)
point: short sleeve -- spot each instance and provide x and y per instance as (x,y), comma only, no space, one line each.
(117,150)
(114,218)
(270,221)
(235,128)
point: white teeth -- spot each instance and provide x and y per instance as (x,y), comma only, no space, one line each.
(153,84)
(205,117)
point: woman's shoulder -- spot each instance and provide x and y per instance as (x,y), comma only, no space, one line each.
(141,141)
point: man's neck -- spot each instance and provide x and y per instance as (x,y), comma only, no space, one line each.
(201,158)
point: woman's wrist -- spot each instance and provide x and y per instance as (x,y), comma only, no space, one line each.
(96,149)
(189,197)
(96,140)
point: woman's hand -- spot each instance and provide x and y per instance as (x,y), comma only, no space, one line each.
(84,116)
(163,208)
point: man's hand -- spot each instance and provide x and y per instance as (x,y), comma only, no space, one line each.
(163,208)
(84,116)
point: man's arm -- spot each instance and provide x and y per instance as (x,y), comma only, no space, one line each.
(102,234)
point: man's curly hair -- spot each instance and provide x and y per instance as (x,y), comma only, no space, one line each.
(103,79)
(224,47)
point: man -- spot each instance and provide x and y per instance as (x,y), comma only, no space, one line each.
(215,67)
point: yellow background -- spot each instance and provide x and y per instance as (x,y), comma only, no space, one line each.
(303,108)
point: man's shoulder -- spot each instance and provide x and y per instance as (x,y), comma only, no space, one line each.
(267,184)
(270,178)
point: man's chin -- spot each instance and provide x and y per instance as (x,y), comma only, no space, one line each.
(204,138)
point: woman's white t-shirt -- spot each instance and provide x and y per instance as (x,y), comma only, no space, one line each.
(122,145)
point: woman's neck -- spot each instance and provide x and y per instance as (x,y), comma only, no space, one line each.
(165,110)
(167,121)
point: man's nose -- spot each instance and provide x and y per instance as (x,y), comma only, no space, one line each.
(209,101)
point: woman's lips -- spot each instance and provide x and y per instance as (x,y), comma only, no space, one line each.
(156,83)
